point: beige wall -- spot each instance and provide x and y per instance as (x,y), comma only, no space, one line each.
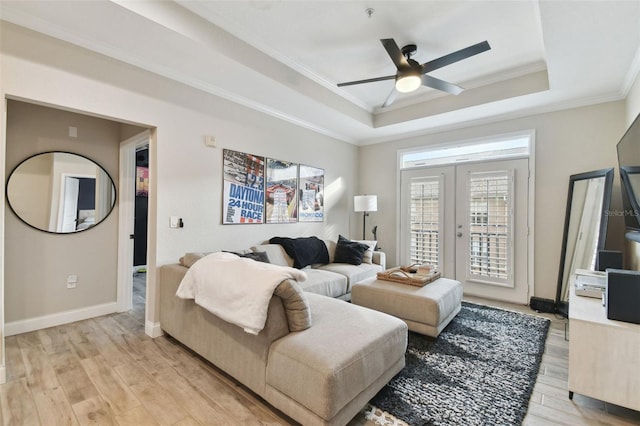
(37,263)
(633,101)
(567,142)
(188,174)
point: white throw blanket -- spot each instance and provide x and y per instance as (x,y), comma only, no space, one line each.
(236,289)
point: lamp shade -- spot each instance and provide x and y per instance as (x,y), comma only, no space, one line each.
(365,203)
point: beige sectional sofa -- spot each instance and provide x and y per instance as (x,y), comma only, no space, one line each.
(333,279)
(323,375)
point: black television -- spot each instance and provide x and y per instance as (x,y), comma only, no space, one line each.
(629,167)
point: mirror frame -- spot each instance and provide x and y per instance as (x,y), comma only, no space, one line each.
(627,187)
(562,307)
(113,185)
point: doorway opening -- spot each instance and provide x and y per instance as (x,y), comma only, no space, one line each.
(78,203)
(141,208)
(133,262)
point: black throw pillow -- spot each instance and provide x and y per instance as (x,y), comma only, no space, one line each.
(304,251)
(348,251)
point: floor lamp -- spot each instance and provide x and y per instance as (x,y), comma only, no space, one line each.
(365,204)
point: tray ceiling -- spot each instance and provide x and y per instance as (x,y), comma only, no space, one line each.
(285,58)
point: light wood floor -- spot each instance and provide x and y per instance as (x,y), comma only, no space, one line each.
(107,371)
(550,404)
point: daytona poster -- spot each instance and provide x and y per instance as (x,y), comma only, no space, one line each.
(243,193)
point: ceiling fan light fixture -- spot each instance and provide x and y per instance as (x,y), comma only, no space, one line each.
(408,83)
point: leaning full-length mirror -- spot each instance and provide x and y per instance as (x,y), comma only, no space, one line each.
(60,192)
(585,227)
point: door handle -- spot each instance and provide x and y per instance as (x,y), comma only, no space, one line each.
(131,236)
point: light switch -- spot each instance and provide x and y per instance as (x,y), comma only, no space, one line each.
(73,132)
(174,222)
(72,280)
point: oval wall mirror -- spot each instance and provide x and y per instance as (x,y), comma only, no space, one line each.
(60,192)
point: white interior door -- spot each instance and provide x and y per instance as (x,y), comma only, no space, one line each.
(471,222)
(69,216)
(126,220)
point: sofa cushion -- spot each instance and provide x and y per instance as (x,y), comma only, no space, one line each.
(295,303)
(276,254)
(349,251)
(190,258)
(326,283)
(323,376)
(331,249)
(305,251)
(353,273)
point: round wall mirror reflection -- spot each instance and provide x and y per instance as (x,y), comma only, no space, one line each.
(60,192)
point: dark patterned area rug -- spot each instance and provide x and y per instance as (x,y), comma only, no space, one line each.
(480,371)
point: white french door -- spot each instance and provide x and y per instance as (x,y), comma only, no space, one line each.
(427,225)
(471,222)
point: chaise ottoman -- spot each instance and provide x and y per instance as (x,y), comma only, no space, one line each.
(426,310)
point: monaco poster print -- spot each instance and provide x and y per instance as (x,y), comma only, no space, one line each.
(311,194)
(243,194)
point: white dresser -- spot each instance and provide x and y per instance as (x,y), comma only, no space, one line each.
(604,355)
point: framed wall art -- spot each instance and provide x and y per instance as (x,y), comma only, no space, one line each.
(243,192)
(142,181)
(281,193)
(311,204)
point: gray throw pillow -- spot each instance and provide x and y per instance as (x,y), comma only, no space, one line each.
(259,256)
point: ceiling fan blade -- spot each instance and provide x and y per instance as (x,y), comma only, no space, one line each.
(369,80)
(392,97)
(394,52)
(436,83)
(459,55)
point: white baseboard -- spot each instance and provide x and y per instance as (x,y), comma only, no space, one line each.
(152,329)
(38,323)
(3,375)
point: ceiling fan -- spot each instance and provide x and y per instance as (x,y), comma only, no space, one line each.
(411,75)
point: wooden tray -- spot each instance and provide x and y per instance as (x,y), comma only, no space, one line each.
(398,275)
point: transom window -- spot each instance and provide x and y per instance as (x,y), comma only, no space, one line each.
(498,147)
